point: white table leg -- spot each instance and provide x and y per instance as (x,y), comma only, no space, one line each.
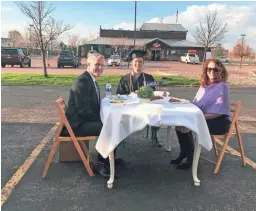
(112,170)
(195,163)
(168,140)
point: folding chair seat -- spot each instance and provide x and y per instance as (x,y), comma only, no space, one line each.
(233,131)
(77,141)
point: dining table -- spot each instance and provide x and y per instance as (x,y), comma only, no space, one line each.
(122,115)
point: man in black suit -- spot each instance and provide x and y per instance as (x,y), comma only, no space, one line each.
(131,82)
(83,112)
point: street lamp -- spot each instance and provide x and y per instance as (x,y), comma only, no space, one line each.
(30,25)
(242,35)
(135,13)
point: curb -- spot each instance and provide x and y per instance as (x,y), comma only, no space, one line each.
(247,119)
(191,85)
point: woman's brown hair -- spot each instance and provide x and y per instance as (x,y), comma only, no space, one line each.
(221,68)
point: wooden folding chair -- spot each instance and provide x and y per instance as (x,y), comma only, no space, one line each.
(233,131)
(78,141)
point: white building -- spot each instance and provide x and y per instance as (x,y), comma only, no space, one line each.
(6,42)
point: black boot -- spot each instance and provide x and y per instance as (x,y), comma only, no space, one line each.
(189,150)
(182,154)
(154,138)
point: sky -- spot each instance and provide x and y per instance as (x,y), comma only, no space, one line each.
(87,16)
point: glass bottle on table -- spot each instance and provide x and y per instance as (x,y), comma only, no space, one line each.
(108,91)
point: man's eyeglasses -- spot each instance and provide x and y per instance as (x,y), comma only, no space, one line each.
(215,69)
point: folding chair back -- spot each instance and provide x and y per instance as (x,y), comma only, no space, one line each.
(61,108)
(235,108)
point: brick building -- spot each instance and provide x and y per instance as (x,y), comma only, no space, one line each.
(161,41)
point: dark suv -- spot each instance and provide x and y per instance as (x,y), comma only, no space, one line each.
(67,58)
(14,56)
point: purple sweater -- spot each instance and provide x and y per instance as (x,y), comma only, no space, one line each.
(213,99)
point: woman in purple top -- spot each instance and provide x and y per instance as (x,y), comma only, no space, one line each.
(214,101)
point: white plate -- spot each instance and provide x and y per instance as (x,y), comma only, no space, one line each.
(116,104)
(182,101)
(131,101)
(160,101)
(161,93)
(118,97)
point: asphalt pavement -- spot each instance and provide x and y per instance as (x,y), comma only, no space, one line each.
(147,181)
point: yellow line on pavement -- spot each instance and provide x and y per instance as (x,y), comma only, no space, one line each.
(10,185)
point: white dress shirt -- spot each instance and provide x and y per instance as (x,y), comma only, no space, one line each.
(94,81)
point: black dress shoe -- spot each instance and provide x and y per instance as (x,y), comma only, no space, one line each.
(178,160)
(184,166)
(119,162)
(101,169)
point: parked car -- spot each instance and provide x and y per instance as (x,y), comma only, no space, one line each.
(67,58)
(224,59)
(114,60)
(126,58)
(15,56)
(190,58)
(78,60)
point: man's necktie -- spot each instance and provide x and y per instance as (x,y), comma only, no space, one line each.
(97,90)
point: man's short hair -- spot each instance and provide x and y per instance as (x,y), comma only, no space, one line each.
(92,57)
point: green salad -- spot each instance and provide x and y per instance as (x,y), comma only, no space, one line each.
(145,92)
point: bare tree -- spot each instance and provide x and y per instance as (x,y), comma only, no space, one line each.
(242,50)
(26,37)
(28,40)
(16,37)
(210,31)
(252,56)
(62,45)
(30,37)
(73,41)
(121,44)
(219,50)
(83,41)
(45,28)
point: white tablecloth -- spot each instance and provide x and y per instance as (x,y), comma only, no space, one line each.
(120,121)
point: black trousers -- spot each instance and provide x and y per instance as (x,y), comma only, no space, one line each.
(219,125)
(216,126)
(89,128)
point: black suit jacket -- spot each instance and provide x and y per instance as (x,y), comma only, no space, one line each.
(83,104)
(124,84)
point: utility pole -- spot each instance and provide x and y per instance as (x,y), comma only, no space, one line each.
(30,43)
(242,35)
(134,33)
(135,14)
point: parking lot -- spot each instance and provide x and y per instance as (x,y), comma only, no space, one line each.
(155,68)
(147,181)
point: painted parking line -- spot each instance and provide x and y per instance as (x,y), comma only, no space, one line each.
(17,176)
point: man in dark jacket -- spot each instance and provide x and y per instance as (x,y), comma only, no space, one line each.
(83,111)
(132,82)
